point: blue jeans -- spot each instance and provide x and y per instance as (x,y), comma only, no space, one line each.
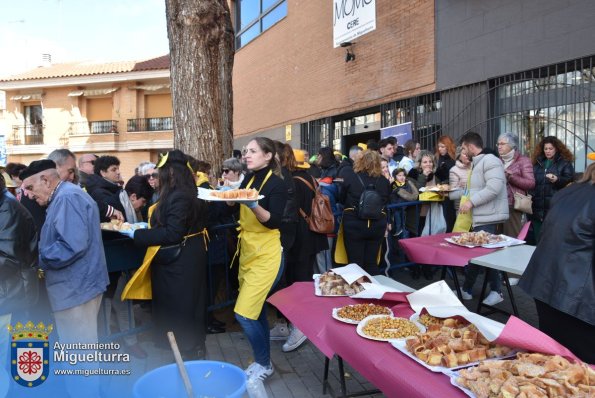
(472,270)
(257,331)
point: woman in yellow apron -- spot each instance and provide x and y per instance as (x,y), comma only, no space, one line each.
(178,288)
(259,250)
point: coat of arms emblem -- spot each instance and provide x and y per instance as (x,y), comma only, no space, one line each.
(30,353)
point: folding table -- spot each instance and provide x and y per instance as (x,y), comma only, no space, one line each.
(513,259)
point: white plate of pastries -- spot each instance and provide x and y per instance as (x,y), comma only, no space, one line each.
(231,195)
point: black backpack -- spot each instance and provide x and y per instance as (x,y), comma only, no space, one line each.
(370,204)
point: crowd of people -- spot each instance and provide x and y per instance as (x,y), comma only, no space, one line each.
(52,243)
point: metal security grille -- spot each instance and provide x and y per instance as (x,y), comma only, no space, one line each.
(315,135)
(553,100)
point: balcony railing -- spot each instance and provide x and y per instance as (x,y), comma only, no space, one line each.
(98,127)
(28,134)
(150,124)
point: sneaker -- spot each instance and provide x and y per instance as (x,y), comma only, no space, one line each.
(257,371)
(279,332)
(296,338)
(513,281)
(464,294)
(493,298)
(250,369)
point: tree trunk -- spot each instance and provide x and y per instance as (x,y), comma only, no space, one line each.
(201,45)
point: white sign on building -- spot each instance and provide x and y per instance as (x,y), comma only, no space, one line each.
(352,19)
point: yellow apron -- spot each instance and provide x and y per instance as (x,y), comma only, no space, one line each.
(260,259)
(341,252)
(139,286)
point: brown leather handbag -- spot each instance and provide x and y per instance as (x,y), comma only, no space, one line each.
(321,218)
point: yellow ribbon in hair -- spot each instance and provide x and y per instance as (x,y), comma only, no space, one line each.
(163,161)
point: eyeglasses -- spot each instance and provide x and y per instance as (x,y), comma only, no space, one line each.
(225,171)
(154,175)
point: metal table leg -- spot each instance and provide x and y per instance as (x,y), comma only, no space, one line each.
(509,289)
(455,280)
(326,385)
(342,377)
(493,309)
(325,377)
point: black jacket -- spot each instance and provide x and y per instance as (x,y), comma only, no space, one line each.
(275,195)
(19,287)
(102,191)
(352,188)
(561,270)
(290,213)
(36,211)
(445,163)
(179,289)
(544,189)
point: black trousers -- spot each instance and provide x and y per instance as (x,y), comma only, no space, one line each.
(573,333)
(362,240)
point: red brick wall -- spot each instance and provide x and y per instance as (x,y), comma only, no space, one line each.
(291,73)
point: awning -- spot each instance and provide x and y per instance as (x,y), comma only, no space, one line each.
(27,97)
(153,87)
(92,93)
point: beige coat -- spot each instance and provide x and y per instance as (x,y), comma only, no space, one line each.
(458,178)
(487,191)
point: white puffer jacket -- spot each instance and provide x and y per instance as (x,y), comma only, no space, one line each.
(487,191)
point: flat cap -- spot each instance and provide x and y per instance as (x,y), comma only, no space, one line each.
(37,166)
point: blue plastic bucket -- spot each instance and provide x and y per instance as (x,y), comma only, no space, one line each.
(208,379)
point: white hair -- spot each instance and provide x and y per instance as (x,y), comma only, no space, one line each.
(144,167)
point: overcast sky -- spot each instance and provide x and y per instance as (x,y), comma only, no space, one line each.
(79,30)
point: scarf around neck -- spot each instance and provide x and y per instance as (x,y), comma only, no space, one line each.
(128,208)
(508,158)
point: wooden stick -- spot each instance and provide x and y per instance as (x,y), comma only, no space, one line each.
(180,363)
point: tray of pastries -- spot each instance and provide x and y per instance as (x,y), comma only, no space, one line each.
(438,188)
(528,375)
(231,195)
(387,328)
(475,239)
(353,314)
(449,344)
(330,284)
(122,227)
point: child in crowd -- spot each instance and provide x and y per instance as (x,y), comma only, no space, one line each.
(403,190)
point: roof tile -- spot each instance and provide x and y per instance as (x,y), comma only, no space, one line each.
(73,69)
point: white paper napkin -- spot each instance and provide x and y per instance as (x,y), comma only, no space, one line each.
(352,272)
(441,302)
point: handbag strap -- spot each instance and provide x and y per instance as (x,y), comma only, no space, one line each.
(307,183)
(302,212)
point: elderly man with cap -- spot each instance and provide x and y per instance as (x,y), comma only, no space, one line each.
(71,255)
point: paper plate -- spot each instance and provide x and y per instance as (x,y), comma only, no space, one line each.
(351,321)
(205,194)
(363,322)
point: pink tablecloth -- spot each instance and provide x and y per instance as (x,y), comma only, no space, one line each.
(389,370)
(434,250)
